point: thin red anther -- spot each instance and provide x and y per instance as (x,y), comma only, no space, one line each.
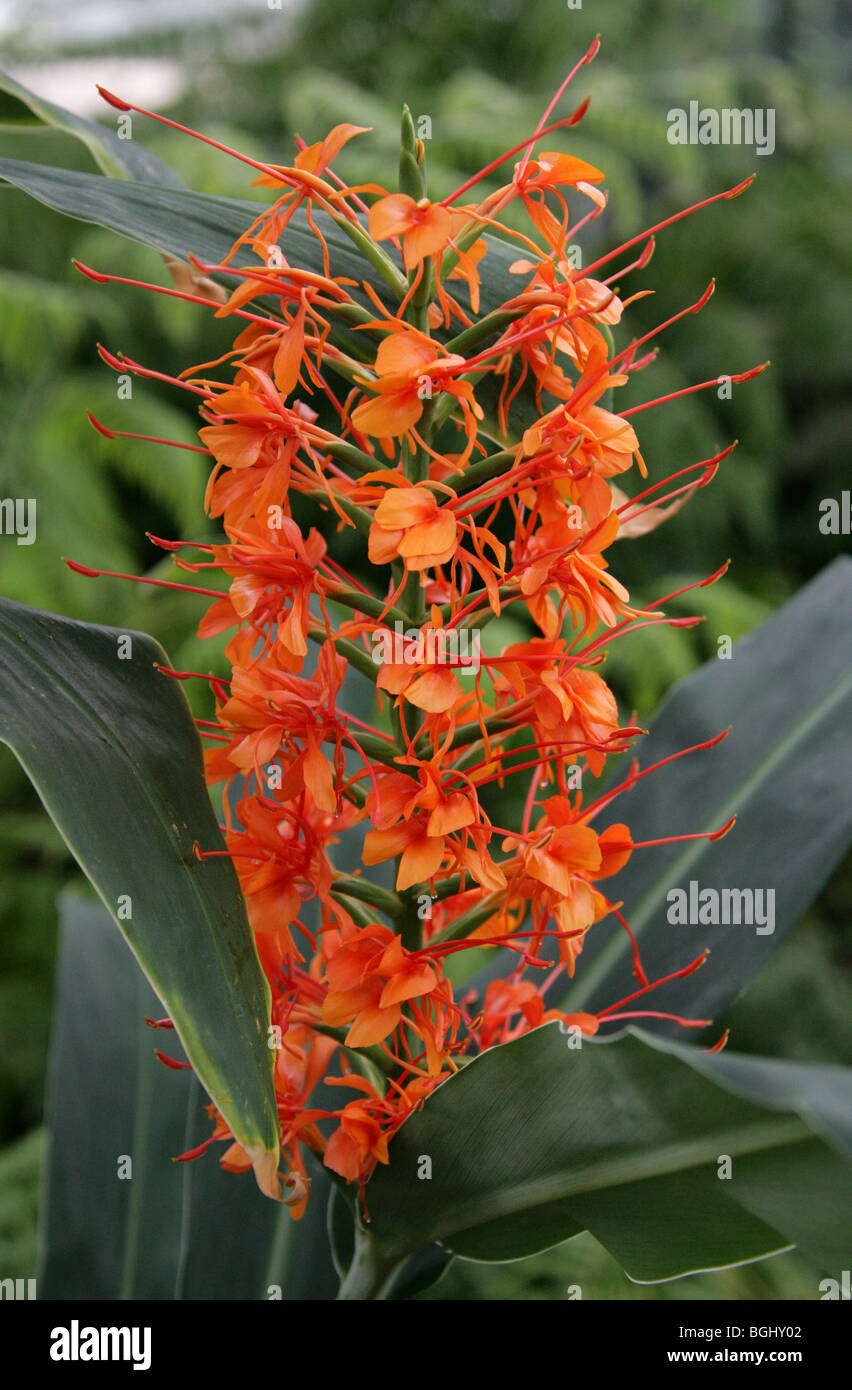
(667,222)
(140,579)
(679,839)
(148,438)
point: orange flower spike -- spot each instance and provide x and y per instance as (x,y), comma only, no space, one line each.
(299,766)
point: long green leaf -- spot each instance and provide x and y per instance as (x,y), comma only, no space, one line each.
(169,219)
(164,1230)
(121,159)
(183,224)
(784,770)
(536,1140)
(109,744)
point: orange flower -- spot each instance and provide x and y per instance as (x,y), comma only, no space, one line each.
(421,854)
(408,524)
(274,571)
(355,1148)
(370,977)
(552,169)
(571,706)
(554,559)
(425,227)
(315,159)
(409,372)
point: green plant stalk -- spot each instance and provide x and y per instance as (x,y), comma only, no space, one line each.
(384,899)
(468,922)
(351,454)
(371,1270)
(492,324)
(367,603)
(378,259)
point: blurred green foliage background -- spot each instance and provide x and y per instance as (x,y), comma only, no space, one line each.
(254,77)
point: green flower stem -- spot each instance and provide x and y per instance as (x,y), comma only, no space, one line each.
(358,911)
(384,899)
(414,596)
(349,453)
(367,603)
(361,518)
(378,258)
(469,921)
(349,368)
(410,928)
(491,324)
(351,312)
(378,748)
(423,296)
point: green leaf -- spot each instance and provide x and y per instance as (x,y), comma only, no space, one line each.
(420,1272)
(121,159)
(173,220)
(171,1230)
(784,769)
(110,746)
(183,224)
(537,1140)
